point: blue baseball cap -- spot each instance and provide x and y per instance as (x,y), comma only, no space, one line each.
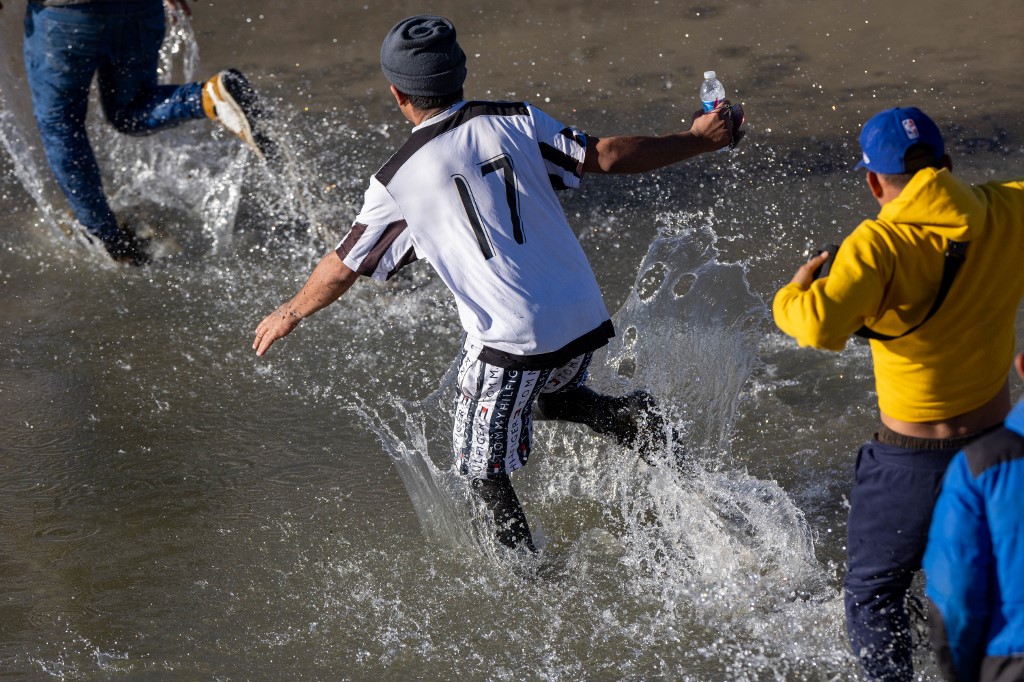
(888,135)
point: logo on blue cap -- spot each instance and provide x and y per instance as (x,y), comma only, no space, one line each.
(888,135)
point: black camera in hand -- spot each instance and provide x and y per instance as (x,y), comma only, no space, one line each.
(825,267)
(735,112)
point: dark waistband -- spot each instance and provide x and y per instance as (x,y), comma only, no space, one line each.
(887,436)
(590,341)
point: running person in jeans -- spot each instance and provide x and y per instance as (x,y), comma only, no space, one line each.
(472,191)
(67,42)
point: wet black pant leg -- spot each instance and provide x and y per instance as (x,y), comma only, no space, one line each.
(618,417)
(509,518)
(584,406)
(633,420)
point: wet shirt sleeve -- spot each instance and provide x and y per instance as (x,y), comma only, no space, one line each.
(379,243)
(563,149)
(825,314)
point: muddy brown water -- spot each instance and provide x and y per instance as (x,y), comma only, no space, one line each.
(173,508)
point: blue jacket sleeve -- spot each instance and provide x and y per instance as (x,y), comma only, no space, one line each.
(958,565)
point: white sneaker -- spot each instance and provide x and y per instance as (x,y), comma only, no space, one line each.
(230,100)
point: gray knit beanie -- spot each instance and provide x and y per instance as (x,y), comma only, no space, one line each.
(420,56)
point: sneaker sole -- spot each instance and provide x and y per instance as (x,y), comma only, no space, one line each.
(230,113)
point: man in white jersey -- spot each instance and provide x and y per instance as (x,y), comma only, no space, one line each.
(472,191)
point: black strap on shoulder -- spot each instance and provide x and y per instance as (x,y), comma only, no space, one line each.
(956,254)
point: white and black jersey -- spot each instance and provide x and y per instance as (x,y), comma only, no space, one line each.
(472,192)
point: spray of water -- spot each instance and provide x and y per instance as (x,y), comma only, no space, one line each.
(703,541)
(440,500)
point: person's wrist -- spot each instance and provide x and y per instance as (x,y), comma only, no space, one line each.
(710,144)
(802,279)
(701,141)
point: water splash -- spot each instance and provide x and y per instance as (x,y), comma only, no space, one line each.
(180,42)
(689,332)
(706,540)
(707,536)
(439,497)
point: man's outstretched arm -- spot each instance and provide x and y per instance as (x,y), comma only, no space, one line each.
(639,154)
(329,280)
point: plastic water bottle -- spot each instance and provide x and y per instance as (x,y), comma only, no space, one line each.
(712,92)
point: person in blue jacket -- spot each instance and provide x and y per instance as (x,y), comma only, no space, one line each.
(974,562)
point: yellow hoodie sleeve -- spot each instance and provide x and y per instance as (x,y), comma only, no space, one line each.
(828,312)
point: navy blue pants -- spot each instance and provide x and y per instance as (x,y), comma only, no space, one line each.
(890,512)
(120,43)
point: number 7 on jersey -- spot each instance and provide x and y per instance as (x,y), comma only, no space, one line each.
(501,163)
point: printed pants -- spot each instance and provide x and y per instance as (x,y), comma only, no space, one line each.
(494,411)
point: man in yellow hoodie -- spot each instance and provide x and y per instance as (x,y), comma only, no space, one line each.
(935,282)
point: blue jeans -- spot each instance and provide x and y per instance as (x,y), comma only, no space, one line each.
(890,512)
(120,41)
